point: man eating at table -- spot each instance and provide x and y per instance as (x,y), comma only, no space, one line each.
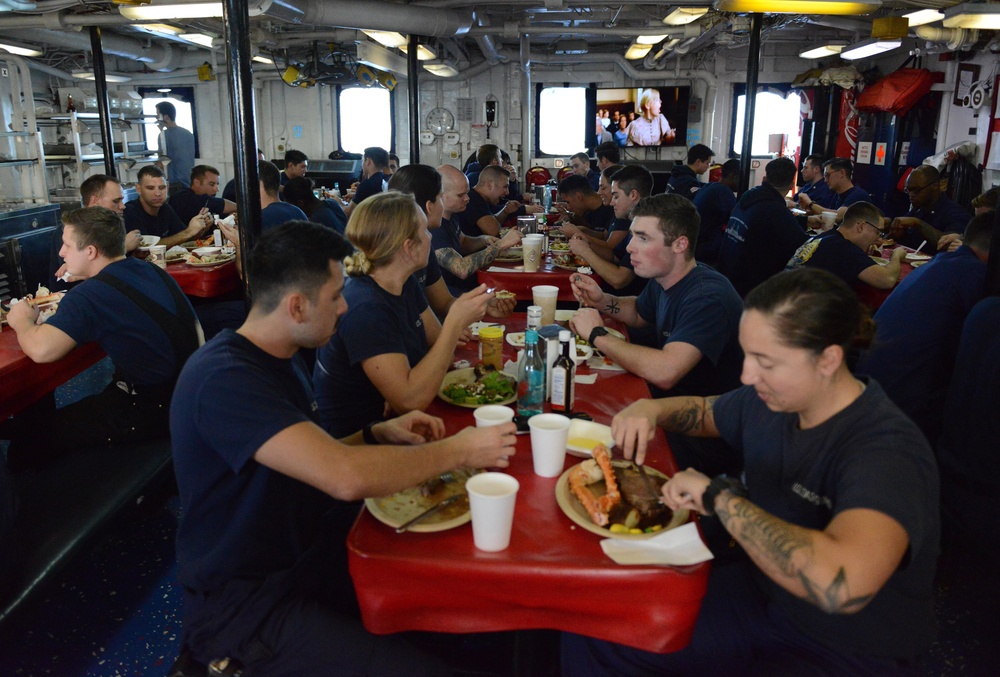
(694,308)
(140,318)
(267,496)
(151,215)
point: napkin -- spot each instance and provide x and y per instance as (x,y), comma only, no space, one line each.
(597,362)
(586,379)
(676,547)
(498,269)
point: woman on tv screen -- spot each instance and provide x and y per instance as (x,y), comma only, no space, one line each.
(650,128)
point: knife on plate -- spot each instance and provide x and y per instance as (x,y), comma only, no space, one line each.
(649,482)
(430,511)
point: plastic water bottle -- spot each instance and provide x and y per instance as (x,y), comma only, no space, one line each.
(547,199)
(531,378)
(336,190)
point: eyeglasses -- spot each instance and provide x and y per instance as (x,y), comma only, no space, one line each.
(915,191)
(881,232)
(828,173)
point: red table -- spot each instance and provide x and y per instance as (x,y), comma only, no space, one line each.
(873,297)
(520,283)
(553,575)
(23,382)
(205,282)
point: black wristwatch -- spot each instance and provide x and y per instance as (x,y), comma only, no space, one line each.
(717,486)
(597,332)
(368,434)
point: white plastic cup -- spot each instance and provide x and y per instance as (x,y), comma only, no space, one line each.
(491,500)
(158,255)
(531,245)
(493,414)
(828,219)
(549,433)
(545,295)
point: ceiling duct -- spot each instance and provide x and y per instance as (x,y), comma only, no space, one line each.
(384,16)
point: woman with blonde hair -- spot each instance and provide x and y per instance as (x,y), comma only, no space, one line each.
(389,353)
(650,128)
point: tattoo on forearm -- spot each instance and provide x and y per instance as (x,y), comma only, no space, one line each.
(789,549)
(685,420)
(612,307)
(463,266)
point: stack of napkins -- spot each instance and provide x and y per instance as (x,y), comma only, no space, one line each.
(677,547)
(498,269)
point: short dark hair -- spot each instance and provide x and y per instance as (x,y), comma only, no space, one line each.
(677,217)
(610,171)
(863,211)
(167,109)
(378,156)
(94,186)
(988,199)
(270,177)
(486,153)
(299,192)
(699,151)
(838,163)
(815,158)
(812,309)
(979,232)
(393,156)
(494,173)
(295,256)
(634,177)
(199,171)
(780,173)
(575,184)
(295,157)
(150,170)
(423,182)
(581,156)
(609,151)
(731,168)
(100,227)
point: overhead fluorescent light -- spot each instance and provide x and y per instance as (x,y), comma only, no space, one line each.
(973,15)
(387,38)
(923,16)
(20,50)
(870,47)
(198,39)
(263,59)
(443,70)
(650,39)
(164,90)
(637,51)
(684,15)
(173,11)
(820,52)
(841,7)
(163,29)
(108,77)
(424,53)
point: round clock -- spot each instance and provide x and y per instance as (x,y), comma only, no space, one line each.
(440,120)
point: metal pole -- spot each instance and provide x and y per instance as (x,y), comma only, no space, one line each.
(527,101)
(753,65)
(103,109)
(236,20)
(413,97)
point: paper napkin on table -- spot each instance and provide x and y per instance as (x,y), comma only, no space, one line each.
(586,379)
(498,269)
(676,547)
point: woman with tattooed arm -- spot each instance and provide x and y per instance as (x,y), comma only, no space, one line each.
(837,513)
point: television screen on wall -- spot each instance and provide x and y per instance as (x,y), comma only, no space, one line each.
(644,116)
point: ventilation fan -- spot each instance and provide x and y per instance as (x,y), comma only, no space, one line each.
(333,68)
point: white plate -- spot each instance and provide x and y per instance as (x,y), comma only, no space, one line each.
(565,315)
(914,256)
(572,508)
(585,435)
(198,263)
(148,241)
(403,506)
(515,338)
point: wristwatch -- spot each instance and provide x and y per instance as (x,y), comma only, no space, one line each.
(595,334)
(719,484)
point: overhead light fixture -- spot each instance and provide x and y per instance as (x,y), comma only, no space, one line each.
(869,47)
(387,38)
(424,53)
(162,29)
(171,10)
(684,15)
(830,49)
(443,70)
(923,16)
(263,59)
(637,51)
(650,39)
(164,90)
(841,7)
(20,50)
(198,39)
(973,15)
(81,74)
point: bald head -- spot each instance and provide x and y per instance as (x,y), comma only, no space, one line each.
(923,186)
(455,189)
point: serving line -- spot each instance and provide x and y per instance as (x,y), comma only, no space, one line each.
(554,574)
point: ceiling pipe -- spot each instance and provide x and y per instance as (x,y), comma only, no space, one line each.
(955,38)
(692,30)
(487,44)
(160,57)
(49,70)
(384,16)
